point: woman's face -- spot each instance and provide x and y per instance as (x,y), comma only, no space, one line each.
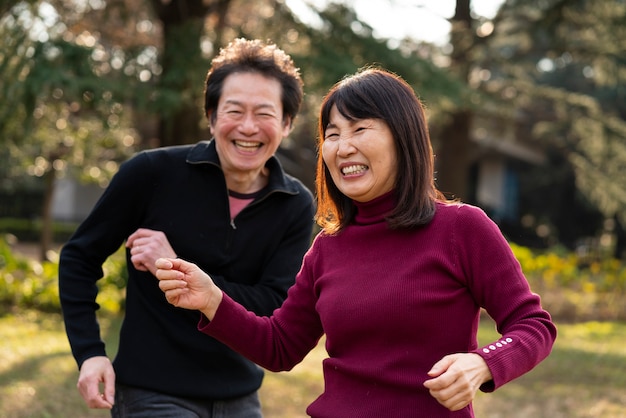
(249,125)
(360,155)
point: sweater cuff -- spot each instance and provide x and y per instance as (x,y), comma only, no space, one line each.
(497,354)
(203,322)
(225,312)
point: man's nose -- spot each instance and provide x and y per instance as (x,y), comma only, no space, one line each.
(249,124)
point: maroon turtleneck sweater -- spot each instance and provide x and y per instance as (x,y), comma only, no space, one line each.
(392,303)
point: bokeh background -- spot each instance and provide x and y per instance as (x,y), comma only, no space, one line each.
(526,101)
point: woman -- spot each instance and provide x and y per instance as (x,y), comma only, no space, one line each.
(395,280)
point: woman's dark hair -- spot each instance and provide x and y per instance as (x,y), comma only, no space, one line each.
(375,93)
(254,56)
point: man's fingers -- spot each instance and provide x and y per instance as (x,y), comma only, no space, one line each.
(134,236)
(93,397)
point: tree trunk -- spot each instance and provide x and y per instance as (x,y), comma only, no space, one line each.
(453,155)
(453,158)
(183,72)
(620,239)
(46,235)
(184,68)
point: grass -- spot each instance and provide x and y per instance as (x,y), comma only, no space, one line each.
(584,376)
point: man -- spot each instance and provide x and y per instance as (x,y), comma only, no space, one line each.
(247,225)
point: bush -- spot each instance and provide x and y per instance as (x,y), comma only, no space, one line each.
(572,288)
(30,229)
(27,283)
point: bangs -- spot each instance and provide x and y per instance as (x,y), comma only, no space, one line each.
(352,102)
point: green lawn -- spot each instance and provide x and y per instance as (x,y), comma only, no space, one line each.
(584,377)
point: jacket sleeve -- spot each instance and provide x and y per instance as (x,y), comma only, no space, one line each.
(113,218)
(498,284)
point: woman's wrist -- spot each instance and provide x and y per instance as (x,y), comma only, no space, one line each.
(213,302)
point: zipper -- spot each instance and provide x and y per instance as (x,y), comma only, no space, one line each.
(233,226)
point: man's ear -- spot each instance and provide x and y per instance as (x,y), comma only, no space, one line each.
(287,126)
(210,117)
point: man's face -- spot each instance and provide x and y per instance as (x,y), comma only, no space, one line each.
(248,126)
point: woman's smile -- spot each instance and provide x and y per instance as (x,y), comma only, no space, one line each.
(353,169)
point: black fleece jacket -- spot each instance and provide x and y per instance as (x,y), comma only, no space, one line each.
(254,259)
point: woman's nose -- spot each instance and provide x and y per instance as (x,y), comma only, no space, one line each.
(345,146)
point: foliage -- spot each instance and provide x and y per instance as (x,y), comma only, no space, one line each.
(90,82)
(29,284)
(62,107)
(342,43)
(29,230)
(574,286)
(78,85)
(14,51)
(65,118)
(560,66)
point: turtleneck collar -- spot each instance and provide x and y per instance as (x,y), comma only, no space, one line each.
(375,210)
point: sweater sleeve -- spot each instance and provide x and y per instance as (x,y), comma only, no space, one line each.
(498,285)
(279,342)
(113,218)
(278,272)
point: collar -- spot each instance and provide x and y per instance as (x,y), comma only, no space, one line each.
(375,210)
(205,152)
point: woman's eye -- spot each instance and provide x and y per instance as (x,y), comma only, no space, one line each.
(331,136)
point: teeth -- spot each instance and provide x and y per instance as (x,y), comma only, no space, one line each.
(353,169)
(247,144)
